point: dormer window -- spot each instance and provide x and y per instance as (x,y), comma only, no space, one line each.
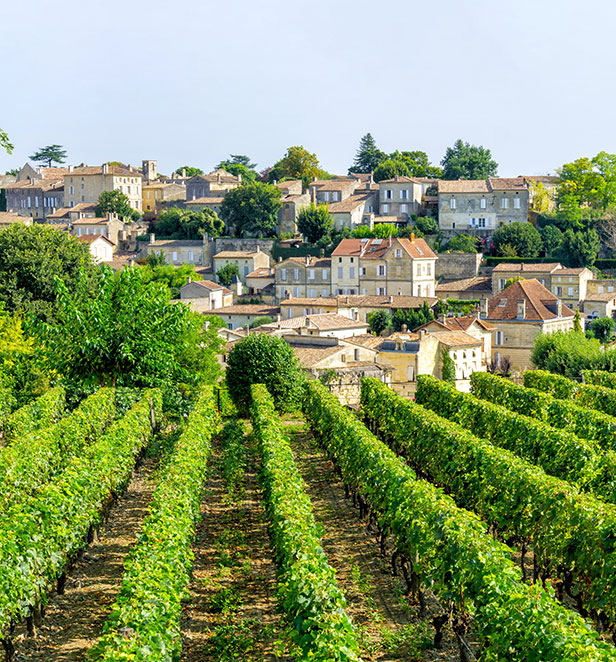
(502,302)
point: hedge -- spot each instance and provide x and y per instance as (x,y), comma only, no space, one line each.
(41,412)
(600,378)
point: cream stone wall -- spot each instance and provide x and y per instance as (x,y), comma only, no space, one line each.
(88,187)
(245,265)
(300,280)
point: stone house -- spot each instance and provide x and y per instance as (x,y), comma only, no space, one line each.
(293,200)
(599,305)
(467,289)
(260,280)
(246,261)
(357,209)
(35,198)
(383,266)
(177,251)
(110,226)
(481,206)
(472,325)
(302,277)
(326,191)
(8,218)
(520,313)
(155,193)
(212,294)
(215,184)
(400,196)
(242,315)
(87,183)
(323,325)
(101,248)
(571,285)
(541,271)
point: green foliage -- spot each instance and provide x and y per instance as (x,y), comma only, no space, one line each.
(379,321)
(579,249)
(252,209)
(315,222)
(412,318)
(448,367)
(452,552)
(462,243)
(176,223)
(298,163)
(511,494)
(568,353)
(466,161)
(602,329)
(367,157)
(587,186)
(31,257)
(40,452)
(389,168)
(552,239)
(172,277)
(577,322)
(158,568)
(239,164)
(40,413)
(190,171)
(128,333)
(258,321)
(522,237)
(40,536)
(116,202)
(227,273)
(558,452)
(261,359)
(427,224)
(234,458)
(378,231)
(310,597)
(580,421)
(5,143)
(49,154)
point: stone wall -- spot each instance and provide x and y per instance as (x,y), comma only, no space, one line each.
(456,266)
(213,246)
(346,386)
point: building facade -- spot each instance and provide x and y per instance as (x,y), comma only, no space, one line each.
(87,183)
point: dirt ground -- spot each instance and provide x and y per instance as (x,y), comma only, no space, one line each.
(74,621)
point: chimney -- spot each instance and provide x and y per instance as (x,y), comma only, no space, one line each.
(404,328)
(218,177)
(313,195)
(307,260)
(371,180)
(314,179)
(105,169)
(188,280)
(287,294)
(258,248)
(280,258)
(247,329)
(278,318)
(559,308)
(483,307)
(368,183)
(397,178)
(422,334)
(183,172)
(442,318)
(70,168)
(521,313)
(390,299)
(274,182)
(412,236)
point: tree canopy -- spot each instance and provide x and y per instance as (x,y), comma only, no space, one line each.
(173,277)
(190,171)
(315,222)
(237,159)
(466,161)
(49,154)
(227,273)
(5,143)
(116,202)
(521,238)
(177,223)
(252,209)
(462,243)
(368,156)
(579,249)
(30,258)
(297,163)
(378,321)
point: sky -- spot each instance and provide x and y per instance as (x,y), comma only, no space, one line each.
(190,83)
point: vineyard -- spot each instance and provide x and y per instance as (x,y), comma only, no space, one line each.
(455,526)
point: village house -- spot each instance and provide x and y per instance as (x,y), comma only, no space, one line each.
(400,196)
(505,271)
(245,261)
(520,313)
(571,285)
(35,198)
(337,189)
(211,295)
(215,184)
(302,277)
(261,282)
(242,315)
(8,218)
(326,324)
(85,184)
(383,266)
(101,248)
(481,206)
(358,209)
(478,288)
(292,202)
(177,251)
(598,305)
(155,193)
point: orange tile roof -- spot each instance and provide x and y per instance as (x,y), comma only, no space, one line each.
(455,338)
(541,304)
(98,170)
(378,248)
(547,267)
(89,238)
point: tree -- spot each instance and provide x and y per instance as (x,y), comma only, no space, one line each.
(523,237)
(368,156)
(602,329)
(128,333)
(172,277)
(177,223)
(379,321)
(227,273)
(466,161)
(237,159)
(567,353)
(448,367)
(5,143)
(586,186)
(411,318)
(263,359)
(297,163)
(315,222)
(427,224)
(49,155)
(417,163)
(552,239)
(579,249)
(577,321)
(30,258)
(189,171)
(116,202)
(389,168)
(252,209)
(462,243)
(259,321)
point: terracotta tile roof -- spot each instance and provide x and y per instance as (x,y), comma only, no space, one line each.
(310,301)
(321,321)
(407,336)
(383,301)
(207,284)
(89,238)
(335,184)
(482,185)
(42,184)
(365,340)
(351,203)
(455,338)
(245,309)
(313,262)
(541,304)
(98,170)
(542,267)
(261,272)
(541,179)
(378,248)
(213,200)
(475,284)
(230,255)
(572,271)
(288,183)
(462,323)
(604,296)
(11,217)
(310,356)
(507,183)
(225,177)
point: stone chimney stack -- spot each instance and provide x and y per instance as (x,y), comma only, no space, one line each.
(397,178)
(442,317)
(70,168)
(483,307)
(183,172)
(105,169)
(559,308)
(390,298)
(521,312)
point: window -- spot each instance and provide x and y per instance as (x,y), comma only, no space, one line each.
(174,256)
(502,303)
(482,203)
(428,269)
(324,274)
(404,208)
(363,290)
(72,190)
(504,203)
(191,256)
(385,208)
(600,289)
(283,274)
(311,293)
(311,274)
(381,291)
(36,200)
(296,292)
(389,194)
(570,291)
(558,291)
(419,269)
(295,274)
(404,194)
(500,337)
(452,203)
(516,203)
(362,271)
(340,272)
(246,270)
(501,283)
(335,195)
(356,354)
(324,292)
(351,272)
(343,358)
(382,270)
(326,196)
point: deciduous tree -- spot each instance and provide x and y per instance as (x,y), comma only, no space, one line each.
(379,321)
(252,209)
(297,163)
(579,249)
(189,171)
(177,223)
(466,161)
(315,222)
(522,237)
(5,143)
(227,273)
(116,202)
(448,367)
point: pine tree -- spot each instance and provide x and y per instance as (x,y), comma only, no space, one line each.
(368,156)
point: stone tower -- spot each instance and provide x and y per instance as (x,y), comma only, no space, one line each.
(149,170)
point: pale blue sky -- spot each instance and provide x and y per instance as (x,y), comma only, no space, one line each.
(189,83)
